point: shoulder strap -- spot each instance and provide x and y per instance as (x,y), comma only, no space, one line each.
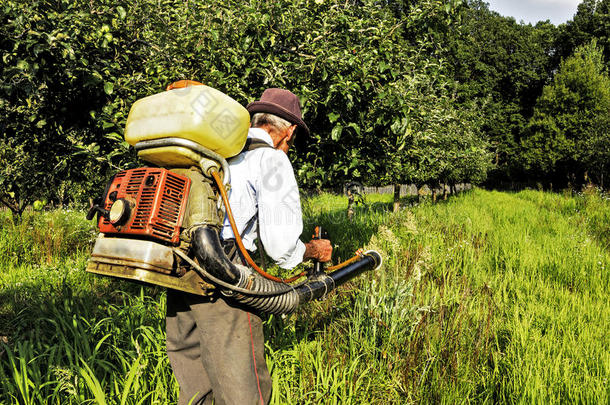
(249,224)
(252,143)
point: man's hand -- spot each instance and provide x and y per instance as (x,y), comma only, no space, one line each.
(318,249)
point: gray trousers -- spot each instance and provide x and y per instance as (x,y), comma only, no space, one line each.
(216,350)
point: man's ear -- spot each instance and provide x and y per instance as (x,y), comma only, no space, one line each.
(292,133)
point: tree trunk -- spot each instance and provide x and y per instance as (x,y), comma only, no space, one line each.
(444,191)
(434,195)
(16,207)
(350,205)
(396,197)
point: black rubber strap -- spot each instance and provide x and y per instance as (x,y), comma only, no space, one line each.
(253,143)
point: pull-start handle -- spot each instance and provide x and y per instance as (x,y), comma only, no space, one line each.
(96,208)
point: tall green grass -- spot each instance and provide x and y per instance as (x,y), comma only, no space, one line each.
(488,297)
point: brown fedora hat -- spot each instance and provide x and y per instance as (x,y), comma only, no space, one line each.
(283,103)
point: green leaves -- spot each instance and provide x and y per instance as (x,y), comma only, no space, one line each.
(362,72)
(336,132)
(333,117)
(563,135)
(22,65)
(108,88)
(502,65)
(121,12)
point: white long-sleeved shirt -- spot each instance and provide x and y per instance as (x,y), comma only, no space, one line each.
(263,184)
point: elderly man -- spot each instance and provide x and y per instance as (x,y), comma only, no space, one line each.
(216,347)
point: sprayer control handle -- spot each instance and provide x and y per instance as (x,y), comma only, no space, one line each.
(319,233)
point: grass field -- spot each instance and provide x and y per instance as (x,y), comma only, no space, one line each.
(487,297)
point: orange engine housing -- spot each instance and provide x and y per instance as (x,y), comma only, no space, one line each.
(157,201)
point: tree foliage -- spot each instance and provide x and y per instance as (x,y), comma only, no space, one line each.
(569,129)
(418,91)
(592,21)
(366,72)
(504,65)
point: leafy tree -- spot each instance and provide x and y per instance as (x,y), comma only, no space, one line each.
(596,150)
(569,128)
(61,62)
(591,21)
(504,65)
(429,128)
(72,69)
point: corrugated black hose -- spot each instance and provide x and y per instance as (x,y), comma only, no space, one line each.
(267,295)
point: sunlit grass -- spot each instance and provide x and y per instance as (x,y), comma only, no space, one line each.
(488,297)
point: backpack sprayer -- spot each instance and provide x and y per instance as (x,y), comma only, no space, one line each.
(160,225)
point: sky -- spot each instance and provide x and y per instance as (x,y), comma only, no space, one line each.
(532,11)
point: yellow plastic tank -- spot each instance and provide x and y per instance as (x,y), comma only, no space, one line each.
(197,113)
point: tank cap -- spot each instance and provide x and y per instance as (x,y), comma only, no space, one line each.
(180,84)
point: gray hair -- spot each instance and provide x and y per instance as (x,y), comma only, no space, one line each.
(260,119)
